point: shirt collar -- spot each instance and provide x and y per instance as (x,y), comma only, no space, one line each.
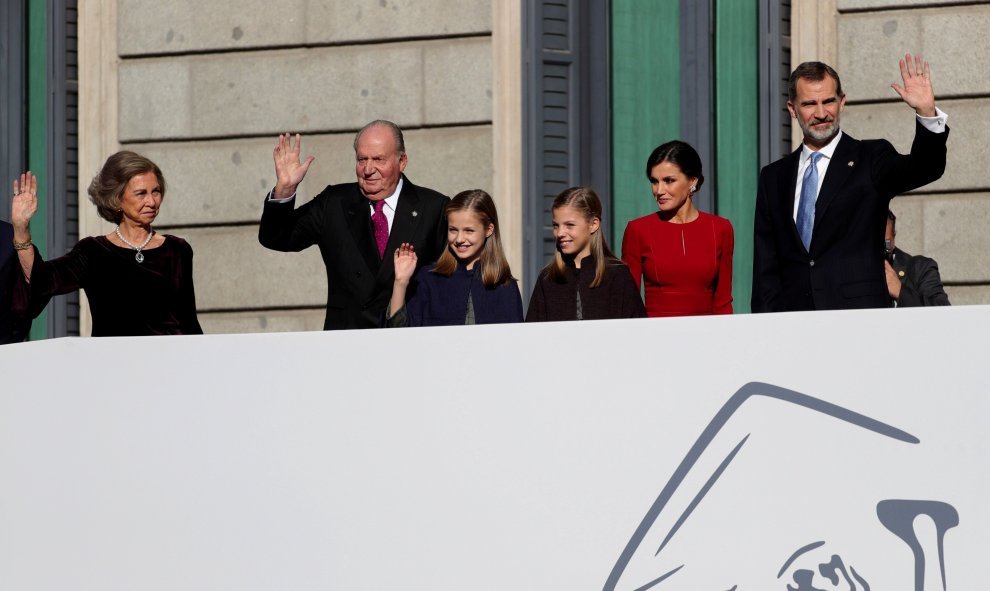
(826,151)
(393,199)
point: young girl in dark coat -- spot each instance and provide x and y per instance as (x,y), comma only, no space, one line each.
(471,282)
(584,281)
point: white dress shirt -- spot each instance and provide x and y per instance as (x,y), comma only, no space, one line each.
(390,202)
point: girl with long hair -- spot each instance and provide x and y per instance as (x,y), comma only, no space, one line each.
(584,281)
(471,283)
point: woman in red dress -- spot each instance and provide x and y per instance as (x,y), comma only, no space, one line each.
(681,254)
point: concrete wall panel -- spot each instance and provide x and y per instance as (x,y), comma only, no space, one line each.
(177,26)
(232,271)
(154,99)
(305,90)
(333,21)
(458,81)
(968,295)
(193,25)
(969,127)
(224,181)
(946,38)
(910,226)
(955,235)
(268,321)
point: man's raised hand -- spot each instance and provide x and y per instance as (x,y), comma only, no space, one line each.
(917,90)
(289,170)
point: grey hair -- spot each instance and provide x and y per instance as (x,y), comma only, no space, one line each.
(400,142)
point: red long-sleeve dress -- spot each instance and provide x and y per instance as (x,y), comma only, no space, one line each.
(687,268)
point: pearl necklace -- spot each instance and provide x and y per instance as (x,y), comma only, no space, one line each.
(137,257)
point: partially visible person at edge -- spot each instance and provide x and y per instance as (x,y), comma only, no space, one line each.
(681,254)
(820,211)
(357,226)
(584,281)
(13,328)
(138,282)
(470,284)
(911,280)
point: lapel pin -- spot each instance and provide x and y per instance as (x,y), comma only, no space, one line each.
(851,164)
(900,273)
(415,213)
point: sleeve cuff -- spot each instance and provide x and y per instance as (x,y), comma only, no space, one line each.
(934,124)
(399,319)
(273,200)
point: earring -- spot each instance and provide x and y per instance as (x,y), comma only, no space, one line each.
(693,189)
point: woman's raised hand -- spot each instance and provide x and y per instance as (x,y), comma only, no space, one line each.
(405,262)
(25,202)
(289,170)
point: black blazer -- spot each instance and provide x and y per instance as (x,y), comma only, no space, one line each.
(359,284)
(921,284)
(13,328)
(844,268)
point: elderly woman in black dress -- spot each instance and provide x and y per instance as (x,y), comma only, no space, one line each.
(138,282)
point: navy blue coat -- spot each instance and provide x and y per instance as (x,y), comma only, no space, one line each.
(442,301)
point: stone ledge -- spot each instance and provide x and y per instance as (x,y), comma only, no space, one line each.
(850,5)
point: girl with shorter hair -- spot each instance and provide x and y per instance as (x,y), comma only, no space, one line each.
(681,254)
(471,282)
(584,281)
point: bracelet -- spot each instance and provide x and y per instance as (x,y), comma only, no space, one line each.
(23,245)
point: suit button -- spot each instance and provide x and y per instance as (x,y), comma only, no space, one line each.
(357,273)
(812,263)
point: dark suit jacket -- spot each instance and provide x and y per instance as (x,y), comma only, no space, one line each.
(921,285)
(13,328)
(844,268)
(359,284)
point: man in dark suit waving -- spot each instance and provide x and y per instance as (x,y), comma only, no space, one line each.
(821,211)
(358,225)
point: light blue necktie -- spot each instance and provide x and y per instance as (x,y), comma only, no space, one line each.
(806,208)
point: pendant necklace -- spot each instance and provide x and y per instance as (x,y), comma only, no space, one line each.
(137,257)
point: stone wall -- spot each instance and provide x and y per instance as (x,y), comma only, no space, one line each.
(203,88)
(945,220)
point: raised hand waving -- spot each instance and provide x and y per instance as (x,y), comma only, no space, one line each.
(917,90)
(289,170)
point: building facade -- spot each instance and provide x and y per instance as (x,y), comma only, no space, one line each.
(521,99)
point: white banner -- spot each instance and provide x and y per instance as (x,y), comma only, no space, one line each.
(842,450)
